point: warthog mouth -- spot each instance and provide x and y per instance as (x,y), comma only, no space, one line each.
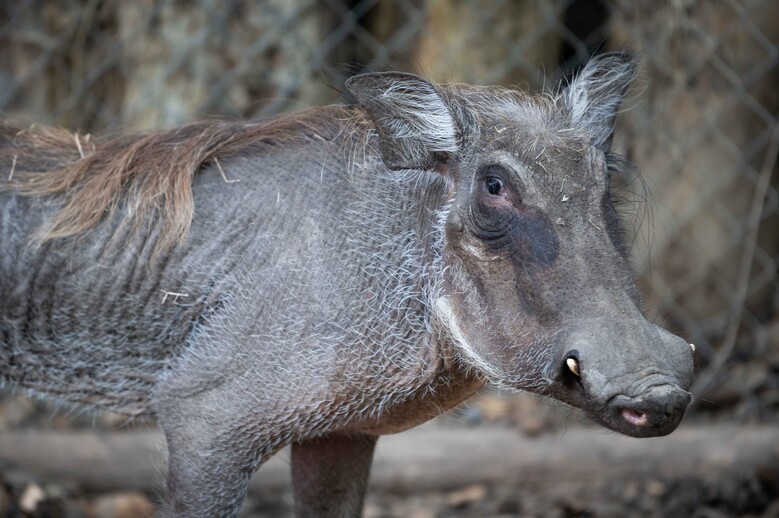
(655,412)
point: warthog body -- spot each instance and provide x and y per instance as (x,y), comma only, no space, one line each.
(326,277)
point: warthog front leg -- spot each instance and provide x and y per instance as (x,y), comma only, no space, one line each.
(330,474)
(213,450)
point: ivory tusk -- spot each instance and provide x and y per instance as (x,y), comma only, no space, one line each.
(692,346)
(573,365)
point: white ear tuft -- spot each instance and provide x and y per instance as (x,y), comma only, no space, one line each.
(594,96)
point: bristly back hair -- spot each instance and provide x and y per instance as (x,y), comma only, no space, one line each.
(148,174)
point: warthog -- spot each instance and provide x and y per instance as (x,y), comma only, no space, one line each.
(326,277)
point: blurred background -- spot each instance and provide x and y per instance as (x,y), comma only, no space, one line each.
(701,124)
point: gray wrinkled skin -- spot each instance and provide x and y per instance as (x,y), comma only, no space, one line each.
(352,283)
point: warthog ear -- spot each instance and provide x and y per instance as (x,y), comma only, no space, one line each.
(414,122)
(593,97)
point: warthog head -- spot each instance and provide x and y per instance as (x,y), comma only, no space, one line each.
(536,291)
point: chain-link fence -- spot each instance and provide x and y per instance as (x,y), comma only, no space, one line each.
(702,124)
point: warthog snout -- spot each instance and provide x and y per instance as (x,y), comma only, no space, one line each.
(603,380)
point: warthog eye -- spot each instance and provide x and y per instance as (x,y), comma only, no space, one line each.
(494,185)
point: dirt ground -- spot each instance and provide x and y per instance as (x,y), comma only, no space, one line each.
(497,456)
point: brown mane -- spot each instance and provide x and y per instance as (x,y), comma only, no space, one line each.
(150,173)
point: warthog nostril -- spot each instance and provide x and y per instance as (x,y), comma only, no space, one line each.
(635,417)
